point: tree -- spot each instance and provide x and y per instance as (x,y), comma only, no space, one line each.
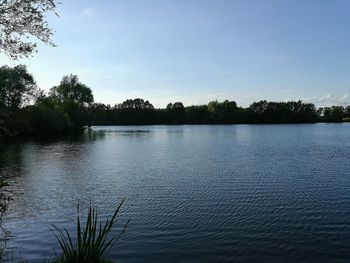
(17,87)
(73,91)
(74,97)
(197,114)
(176,112)
(169,106)
(134,111)
(334,113)
(258,107)
(20,21)
(137,104)
(347,111)
(222,112)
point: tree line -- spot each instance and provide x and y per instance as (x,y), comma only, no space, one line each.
(27,110)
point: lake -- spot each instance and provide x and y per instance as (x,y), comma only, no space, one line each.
(216,193)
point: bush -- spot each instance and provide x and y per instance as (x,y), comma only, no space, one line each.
(39,119)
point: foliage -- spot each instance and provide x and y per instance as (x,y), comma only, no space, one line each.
(136,104)
(74,98)
(226,112)
(282,112)
(93,241)
(26,110)
(39,119)
(175,112)
(222,112)
(22,21)
(71,90)
(17,87)
(3,129)
(197,114)
(134,111)
(334,113)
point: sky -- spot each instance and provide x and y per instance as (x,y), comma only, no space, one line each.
(195,51)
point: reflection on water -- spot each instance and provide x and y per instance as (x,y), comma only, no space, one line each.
(241,193)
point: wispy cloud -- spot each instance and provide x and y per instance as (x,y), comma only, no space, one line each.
(309,99)
(286,90)
(326,100)
(223,72)
(90,12)
(110,72)
(345,97)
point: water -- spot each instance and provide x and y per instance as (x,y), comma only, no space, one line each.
(237,193)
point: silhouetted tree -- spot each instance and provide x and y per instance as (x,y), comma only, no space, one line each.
(333,114)
(197,114)
(175,113)
(44,117)
(347,111)
(138,104)
(282,112)
(101,114)
(17,87)
(74,97)
(222,112)
(135,111)
(72,90)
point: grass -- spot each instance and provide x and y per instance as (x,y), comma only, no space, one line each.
(93,241)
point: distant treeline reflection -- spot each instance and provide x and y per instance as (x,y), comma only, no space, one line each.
(27,110)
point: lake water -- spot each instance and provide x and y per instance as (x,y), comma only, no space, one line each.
(236,193)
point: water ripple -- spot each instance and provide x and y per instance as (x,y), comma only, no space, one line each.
(265,193)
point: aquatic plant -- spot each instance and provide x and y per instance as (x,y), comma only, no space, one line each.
(93,241)
(5,198)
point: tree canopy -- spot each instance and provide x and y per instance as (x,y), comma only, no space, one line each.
(17,87)
(23,21)
(137,104)
(71,90)
(74,98)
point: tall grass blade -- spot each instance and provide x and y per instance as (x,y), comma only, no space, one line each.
(93,241)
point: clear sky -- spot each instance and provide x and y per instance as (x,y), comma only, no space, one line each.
(195,51)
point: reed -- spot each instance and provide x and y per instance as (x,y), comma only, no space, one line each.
(5,199)
(92,242)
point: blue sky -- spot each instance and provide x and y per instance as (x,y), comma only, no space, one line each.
(195,51)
